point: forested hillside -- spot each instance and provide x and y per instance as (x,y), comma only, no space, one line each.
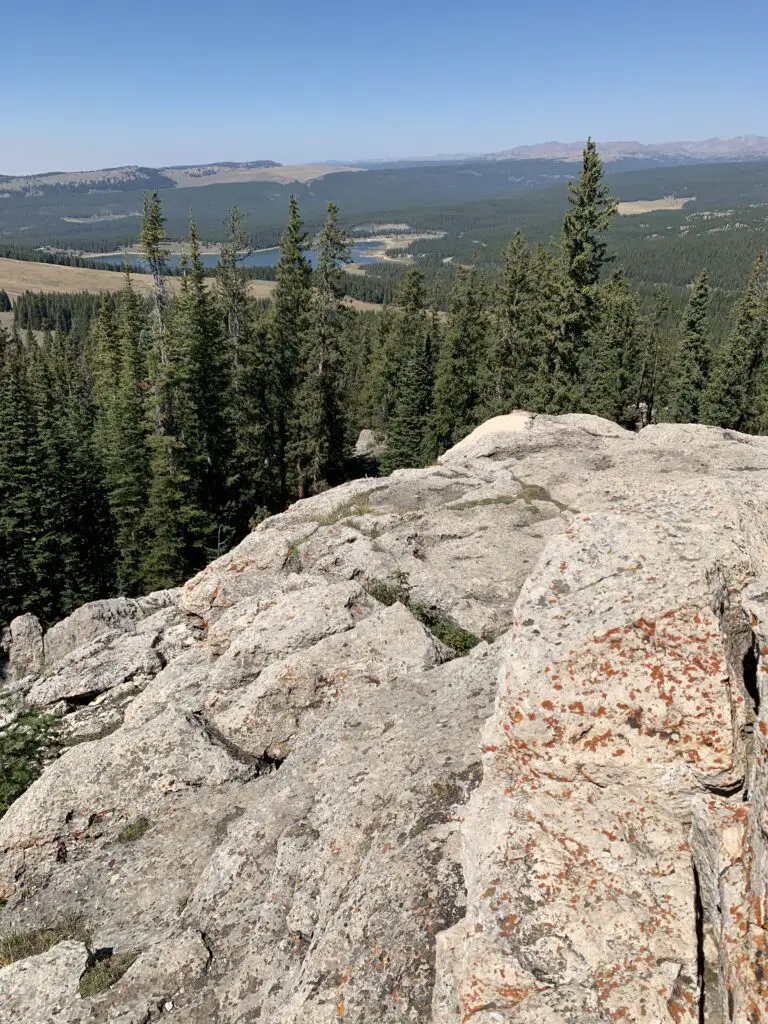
(141,437)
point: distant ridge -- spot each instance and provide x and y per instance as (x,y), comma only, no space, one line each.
(742,147)
(136,178)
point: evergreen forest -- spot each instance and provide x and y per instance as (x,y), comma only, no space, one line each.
(144,433)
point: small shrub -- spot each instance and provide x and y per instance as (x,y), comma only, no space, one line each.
(389,592)
(398,588)
(19,945)
(104,971)
(133,830)
(461,640)
(26,745)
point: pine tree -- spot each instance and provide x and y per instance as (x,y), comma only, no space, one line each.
(74,546)
(457,389)
(201,383)
(654,361)
(318,449)
(124,443)
(695,354)
(584,254)
(154,251)
(253,464)
(21,469)
(407,329)
(290,323)
(176,526)
(408,438)
(612,363)
(734,395)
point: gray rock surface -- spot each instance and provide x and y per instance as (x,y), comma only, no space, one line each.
(25,646)
(297,804)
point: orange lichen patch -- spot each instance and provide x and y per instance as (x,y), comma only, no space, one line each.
(598,741)
(240,566)
(649,678)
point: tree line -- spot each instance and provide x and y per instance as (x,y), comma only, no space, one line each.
(141,438)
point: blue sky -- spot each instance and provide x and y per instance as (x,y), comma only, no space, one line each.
(93,83)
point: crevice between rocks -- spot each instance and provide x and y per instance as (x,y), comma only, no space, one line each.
(700,960)
(262,764)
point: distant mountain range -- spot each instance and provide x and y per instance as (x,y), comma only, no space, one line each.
(138,178)
(742,147)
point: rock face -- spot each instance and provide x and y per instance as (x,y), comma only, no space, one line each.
(294,801)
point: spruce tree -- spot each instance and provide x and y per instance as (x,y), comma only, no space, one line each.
(584,254)
(176,525)
(290,323)
(457,388)
(695,354)
(655,361)
(407,328)
(409,436)
(318,448)
(153,249)
(253,463)
(124,443)
(734,393)
(612,359)
(201,384)
(74,549)
(21,468)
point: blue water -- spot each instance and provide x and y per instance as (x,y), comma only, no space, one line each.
(265,258)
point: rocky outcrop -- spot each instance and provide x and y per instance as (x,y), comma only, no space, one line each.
(288,794)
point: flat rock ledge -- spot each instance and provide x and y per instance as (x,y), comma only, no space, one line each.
(293,793)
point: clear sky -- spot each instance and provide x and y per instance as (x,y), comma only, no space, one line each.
(94,83)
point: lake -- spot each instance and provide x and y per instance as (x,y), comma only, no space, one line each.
(361,253)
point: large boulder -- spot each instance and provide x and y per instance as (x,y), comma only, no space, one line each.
(486,741)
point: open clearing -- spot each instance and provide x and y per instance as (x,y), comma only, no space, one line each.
(19,276)
(190,177)
(652,205)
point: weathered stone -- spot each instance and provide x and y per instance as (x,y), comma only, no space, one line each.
(25,646)
(301,806)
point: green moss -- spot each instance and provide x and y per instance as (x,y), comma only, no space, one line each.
(103,972)
(133,830)
(19,945)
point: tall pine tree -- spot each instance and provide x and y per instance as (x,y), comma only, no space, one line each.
(318,450)
(457,385)
(584,254)
(734,393)
(694,354)
(290,324)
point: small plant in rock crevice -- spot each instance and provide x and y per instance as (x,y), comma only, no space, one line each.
(133,830)
(103,971)
(398,588)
